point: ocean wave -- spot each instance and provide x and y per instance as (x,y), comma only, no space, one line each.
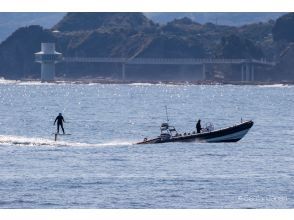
(274,86)
(6,81)
(22,82)
(141,84)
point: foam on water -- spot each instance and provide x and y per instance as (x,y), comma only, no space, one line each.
(33,141)
(5,81)
(19,82)
(33,82)
(140,84)
(274,86)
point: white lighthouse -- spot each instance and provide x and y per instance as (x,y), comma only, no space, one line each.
(48,57)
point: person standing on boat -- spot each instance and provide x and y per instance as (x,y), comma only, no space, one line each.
(60,121)
(198,126)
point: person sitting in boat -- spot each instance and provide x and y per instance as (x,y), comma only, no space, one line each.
(198,126)
(60,121)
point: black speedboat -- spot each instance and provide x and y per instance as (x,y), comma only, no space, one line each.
(208,134)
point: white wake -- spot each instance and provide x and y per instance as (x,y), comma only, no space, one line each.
(33,141)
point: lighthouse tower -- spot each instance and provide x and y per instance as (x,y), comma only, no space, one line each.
(48,57)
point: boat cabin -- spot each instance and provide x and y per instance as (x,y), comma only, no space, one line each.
(167,131)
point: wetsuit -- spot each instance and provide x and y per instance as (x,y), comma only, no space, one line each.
(60,121)
(198,127)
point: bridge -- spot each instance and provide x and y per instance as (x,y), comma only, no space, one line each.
(48,57)
(247,65)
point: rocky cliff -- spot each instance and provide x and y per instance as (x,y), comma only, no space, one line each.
(224,18)
(134,35)
(17,52)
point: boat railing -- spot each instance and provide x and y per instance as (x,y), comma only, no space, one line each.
(209,127)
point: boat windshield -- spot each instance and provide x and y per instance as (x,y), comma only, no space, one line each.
(167,129)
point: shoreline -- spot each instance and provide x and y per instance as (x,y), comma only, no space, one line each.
(152,82)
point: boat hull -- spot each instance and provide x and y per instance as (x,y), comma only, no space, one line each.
(230,134)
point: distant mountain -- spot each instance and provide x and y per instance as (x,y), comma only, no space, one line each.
(84,21)
(220,18)
(127,35)
(281,30)
(132,35)
(10,21)
(17,51)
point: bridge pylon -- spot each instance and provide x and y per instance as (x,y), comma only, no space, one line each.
(123,71)
(247,72)
(203,71)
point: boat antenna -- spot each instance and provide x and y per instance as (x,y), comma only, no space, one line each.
(166,113)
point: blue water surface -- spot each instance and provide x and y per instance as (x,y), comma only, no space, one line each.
(98,166)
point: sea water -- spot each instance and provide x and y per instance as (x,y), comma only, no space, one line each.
(98,165)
